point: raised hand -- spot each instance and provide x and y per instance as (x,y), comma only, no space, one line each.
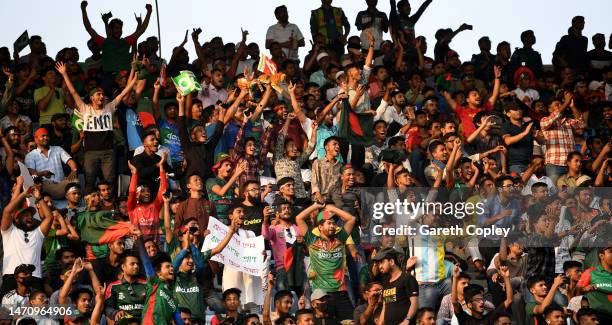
(370,36)
(497,72)
(196,32)
(291,88)
(133,169)
(149,7)
(83,4)
(245,33)
(61,67)
(291,116)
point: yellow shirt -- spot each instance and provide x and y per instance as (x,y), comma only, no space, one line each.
(56,105)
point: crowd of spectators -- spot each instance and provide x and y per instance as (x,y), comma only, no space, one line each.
(109,176)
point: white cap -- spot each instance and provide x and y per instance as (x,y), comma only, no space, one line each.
(339,74)
(321,55)
(594,85)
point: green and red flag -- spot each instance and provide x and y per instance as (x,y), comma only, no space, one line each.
(357,129)
(101,228)
(266,65)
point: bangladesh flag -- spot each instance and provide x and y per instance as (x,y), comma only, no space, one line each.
(357,129)
(101,228)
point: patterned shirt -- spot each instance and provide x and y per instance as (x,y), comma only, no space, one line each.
(286,167)
(327,260)
(559,137)
(254,163)
(326,176)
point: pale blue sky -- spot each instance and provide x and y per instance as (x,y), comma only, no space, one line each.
(60,25)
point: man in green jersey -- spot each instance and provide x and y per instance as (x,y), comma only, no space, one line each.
(326,245)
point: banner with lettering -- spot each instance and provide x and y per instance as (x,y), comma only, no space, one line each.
(242,253)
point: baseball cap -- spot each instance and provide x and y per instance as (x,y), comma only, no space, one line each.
(219,159)
(318,294)
(25,268)
(339,74)
(59,116)
(24,210)
(385,253)
(325,215)
(40,132)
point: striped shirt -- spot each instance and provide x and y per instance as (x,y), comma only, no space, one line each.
(431,267)
(286,167)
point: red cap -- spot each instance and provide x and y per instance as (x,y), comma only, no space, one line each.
(40,132)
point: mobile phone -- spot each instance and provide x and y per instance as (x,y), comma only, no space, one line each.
(193,230)
(167,193)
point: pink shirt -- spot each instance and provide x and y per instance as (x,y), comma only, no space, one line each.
(279,236)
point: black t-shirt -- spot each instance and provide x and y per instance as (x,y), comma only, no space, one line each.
(253,218)
(467,319)
(396,295)
(519,153)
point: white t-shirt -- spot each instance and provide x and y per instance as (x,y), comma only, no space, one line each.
(282,34)
(13,298)
(17,251)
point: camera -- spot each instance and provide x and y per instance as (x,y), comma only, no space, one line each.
(193,230)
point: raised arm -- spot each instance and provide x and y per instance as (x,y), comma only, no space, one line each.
(262,104)
(512,139)
(229,114)
(77,267)
(12,206)
(300,219)
(539,309)
(349,219)
(195,35)
(329,107)
(127,89)
(449,99)
(156,89)
(86,21)
(496,84)
(370,58)
(231,230)
(61,68)
(143,27)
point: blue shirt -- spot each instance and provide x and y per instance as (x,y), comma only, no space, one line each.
(493,206)
(169,133)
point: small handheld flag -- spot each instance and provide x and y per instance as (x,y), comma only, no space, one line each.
(186,82)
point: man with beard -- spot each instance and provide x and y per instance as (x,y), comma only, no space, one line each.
(142,209)
(326,245)
(46,161)
(190,264)
(22,237)
(401,289)
(253,207)
(98,129)
(127,295)
(60,134)
(106,194)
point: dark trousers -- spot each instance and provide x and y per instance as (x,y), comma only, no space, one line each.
(340,306)
(98,163)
